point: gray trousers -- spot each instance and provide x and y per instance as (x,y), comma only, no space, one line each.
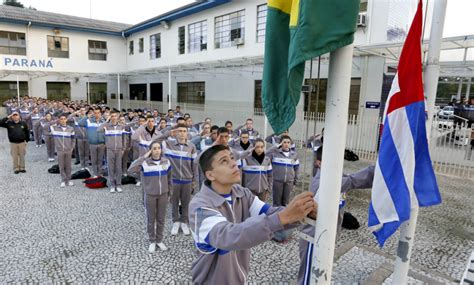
(155,207)
(49,141)
(181,193)
(135,152)
(37,133)
(84,152)
(97,154)
(114,165)
(281,192)
(64,162)
(125,160)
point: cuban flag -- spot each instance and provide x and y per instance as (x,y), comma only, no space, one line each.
(404,176)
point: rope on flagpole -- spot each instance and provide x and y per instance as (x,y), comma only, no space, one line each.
(317,95)
(307,124)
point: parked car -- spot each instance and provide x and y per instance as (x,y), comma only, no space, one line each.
(446,113)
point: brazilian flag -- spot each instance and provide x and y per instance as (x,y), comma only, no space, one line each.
(297,31)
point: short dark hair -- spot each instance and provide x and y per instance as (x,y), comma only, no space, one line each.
(114,112)
(244,132)
(181,126)
(170,110)
(259,140)
(180,119)
(207,157)
(285,137)
(222,130)
(249,119)
(215,127)
(228,122)
(319,153)
(163,119)
(149,117)
(63,115)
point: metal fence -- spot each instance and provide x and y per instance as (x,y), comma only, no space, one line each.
(450,144)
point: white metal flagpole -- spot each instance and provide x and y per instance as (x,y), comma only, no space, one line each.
(18,90)
(337,106)
(118,91)
(169,88)
(407,230)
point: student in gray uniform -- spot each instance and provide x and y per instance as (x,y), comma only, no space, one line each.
(126,142)
(155,173)
(253,134)
(285,166)
(113,132)
(64,143)
(81,138)
(242,143)
(257,171)
(314,142)
(35,118)
(361,179)
(228,220)
(192,131)
(145,134)
(96,140)
(181,154)
(45,124)
(275,140)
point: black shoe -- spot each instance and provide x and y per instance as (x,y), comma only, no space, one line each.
(23,171)
(77,162)
(16,171)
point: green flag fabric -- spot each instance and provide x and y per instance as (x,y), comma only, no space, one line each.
(297,31)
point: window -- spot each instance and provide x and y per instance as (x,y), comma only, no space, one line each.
(257,99)
(130,47)
(181,40)
(191,92)
(197,36)
(58,46)
(229,30)
(58,90)
(12,43)
(140,45)
(156,92)
(261,22)
(97,50)
(138,92)
(155,46)
(8,90)
(321,101)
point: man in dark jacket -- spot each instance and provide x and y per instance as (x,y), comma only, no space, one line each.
(18,135)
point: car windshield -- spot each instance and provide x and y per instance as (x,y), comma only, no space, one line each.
(448,108)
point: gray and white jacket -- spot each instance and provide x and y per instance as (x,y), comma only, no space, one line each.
(113,135)
(224,230)
(155,175)
(63,138)
(257,177)
(285,168)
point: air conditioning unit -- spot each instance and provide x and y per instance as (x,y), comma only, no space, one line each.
(362,20)
(201,93)
(239,42)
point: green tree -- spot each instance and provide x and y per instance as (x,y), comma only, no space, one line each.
(14,3)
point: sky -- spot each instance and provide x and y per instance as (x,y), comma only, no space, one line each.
(459,14)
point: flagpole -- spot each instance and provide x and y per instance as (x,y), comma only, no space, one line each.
(337,105)
(407,230)
(307,124)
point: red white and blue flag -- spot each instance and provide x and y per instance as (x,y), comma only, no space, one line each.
(404,176)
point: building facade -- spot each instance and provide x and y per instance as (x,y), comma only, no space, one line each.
(208,52)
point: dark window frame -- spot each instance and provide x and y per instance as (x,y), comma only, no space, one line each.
(19,48)
(58,46)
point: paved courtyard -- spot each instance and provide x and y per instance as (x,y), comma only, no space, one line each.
(73,234)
